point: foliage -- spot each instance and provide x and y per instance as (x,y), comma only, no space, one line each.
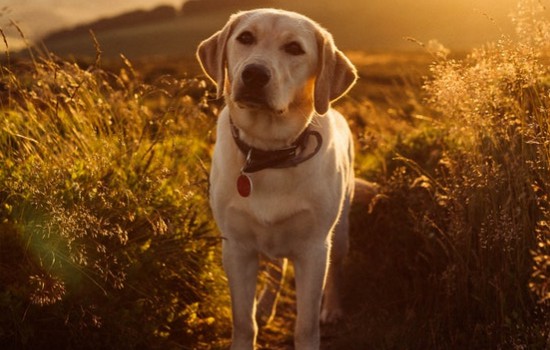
(461,224)
(495,105)
(106,239)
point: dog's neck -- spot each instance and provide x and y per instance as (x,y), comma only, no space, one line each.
(290,156)
(267,130)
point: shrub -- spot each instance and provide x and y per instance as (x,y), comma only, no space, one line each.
(455,252)
(495,105)
(105,235)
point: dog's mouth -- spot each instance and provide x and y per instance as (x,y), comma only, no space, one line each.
(251,100)
(254,100)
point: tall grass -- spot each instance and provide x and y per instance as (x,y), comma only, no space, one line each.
(106,240)
(495,106)
(455,253)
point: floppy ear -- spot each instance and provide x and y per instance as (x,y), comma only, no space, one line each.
(212,56)
(336,74)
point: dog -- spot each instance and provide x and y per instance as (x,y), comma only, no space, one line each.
(281,180)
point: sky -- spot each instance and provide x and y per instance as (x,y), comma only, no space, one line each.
(452,21)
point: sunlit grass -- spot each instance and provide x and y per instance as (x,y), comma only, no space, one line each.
(106,240)
(456,248)
(102,195)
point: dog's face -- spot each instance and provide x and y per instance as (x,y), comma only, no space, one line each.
(275,68)
(271,63)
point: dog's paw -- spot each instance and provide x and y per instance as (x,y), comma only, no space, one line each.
(331,315)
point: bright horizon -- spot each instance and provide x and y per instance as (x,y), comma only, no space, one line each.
(455,23)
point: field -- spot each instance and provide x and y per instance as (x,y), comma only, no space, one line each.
(107,241)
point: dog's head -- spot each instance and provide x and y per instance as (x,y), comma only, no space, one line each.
(277,63)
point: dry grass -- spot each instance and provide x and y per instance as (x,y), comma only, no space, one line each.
(106,240)
(455,254)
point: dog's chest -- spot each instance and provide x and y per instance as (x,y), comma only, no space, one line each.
(281,212)
(274,230)
(276,196)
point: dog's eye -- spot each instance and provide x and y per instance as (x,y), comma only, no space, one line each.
(246,38)
(294,49)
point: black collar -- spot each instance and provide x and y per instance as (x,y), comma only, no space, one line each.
(257,159)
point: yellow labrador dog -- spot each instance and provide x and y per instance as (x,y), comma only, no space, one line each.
(282,176)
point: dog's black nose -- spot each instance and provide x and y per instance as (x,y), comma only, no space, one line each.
(255,76)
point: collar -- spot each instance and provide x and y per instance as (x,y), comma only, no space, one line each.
(258,159)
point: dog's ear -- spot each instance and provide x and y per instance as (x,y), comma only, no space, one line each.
(335,75)
(211,54)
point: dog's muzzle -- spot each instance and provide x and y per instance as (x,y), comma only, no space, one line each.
(251,92)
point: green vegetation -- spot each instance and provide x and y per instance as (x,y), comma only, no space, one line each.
(106,239)
(455,252)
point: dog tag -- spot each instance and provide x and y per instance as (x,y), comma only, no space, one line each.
(244,185)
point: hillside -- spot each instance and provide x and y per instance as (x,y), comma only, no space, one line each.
(129,19)
(163,31)
(374,25)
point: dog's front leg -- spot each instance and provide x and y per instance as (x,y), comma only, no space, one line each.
(310,269)
(241,267)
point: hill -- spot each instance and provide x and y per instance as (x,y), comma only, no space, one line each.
(356,25)
(130,19)
(163,31)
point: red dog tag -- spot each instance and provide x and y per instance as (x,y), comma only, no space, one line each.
(244,185)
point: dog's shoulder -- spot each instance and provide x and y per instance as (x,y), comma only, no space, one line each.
(335,130)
